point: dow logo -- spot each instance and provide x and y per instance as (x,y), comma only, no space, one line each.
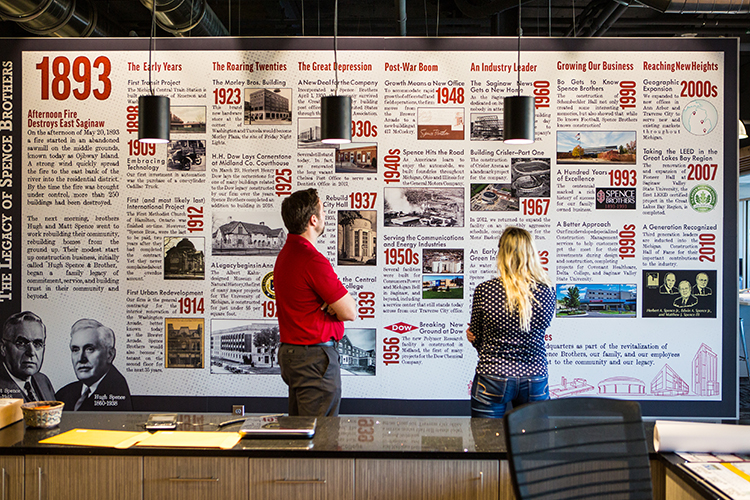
(401,327)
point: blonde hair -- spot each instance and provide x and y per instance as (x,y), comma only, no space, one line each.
(520,271)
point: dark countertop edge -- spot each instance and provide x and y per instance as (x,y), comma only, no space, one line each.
(283,453)
(249,453)
(673,462)
(19,440)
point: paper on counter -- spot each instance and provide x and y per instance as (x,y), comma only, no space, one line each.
(96,437)
(732,479)
(698,437)
(713,457)
(192,439)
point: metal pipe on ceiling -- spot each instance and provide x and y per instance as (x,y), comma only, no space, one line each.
(187,18)
(582,20)
(61,18)
(606,11)
(621,8)
(401,4)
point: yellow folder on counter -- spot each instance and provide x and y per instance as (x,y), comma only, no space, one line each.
(191,439)
(97,437)
(126,439)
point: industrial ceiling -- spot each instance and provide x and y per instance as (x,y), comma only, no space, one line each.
(445,18)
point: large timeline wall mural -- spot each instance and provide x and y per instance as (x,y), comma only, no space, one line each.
(629,190)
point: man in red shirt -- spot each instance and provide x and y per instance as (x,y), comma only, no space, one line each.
(312,306)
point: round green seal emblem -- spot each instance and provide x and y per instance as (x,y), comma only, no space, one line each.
(703,198)
(267,286)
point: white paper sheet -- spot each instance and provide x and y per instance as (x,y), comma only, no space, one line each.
(701,437)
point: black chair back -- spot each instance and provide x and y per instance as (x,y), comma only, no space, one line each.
(578,448)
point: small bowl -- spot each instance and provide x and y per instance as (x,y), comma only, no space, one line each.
(42,413)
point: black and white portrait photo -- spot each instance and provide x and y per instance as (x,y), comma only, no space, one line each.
(100,385)
(679,293)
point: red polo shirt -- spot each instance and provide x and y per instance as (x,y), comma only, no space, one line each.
(303,281)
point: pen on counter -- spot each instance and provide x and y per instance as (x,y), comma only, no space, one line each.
(230,422)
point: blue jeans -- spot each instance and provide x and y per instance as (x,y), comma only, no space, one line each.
(490,395)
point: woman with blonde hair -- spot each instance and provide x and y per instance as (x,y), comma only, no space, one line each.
(509,316)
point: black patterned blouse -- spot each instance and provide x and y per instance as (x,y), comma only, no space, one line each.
(504,350)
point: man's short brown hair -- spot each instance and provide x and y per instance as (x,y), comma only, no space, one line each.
(297,209)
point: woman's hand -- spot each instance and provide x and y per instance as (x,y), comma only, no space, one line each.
(470,336)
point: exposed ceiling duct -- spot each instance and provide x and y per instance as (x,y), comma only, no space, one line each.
(62,18)
(699,6)
(619,11)
(80,18)
(187,18)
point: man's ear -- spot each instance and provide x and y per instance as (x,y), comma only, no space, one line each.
(111,353)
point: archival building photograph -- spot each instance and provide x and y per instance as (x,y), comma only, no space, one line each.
(617,147)
(268,107)
(247,233)
(357,158)
(357,237)
(184,258)
(530,177)
(486,126)
(423,207)
(442,260)
(185,338)
(357,351)
(187,119)
(244,346)
(493,198)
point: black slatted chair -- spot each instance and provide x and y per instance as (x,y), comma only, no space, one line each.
(578,448)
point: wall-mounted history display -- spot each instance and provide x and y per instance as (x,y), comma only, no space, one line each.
(629,190)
